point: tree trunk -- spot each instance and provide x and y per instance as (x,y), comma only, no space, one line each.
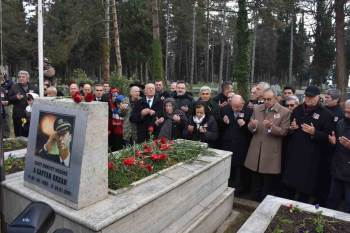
(116,40)
(212,64)
(157,65)
(252,72)
(207,57)
(291,48)
(222,49)
(340,48)
(193,42)
(167,42)
(106,45)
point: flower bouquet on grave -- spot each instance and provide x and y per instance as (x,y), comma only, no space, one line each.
(141,160)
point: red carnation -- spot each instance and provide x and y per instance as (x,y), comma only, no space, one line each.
(147,150)
(149,167)
(163,140)
(129,161)
(164,147)
(110,165)
(163,156)
(89,97)
(155,157)
(138,153)
(150,129)
(171,142)
(77,97)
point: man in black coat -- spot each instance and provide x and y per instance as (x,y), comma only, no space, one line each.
(340,184)
(160,92)
(145,112)
(331,103)
(310,126)
(18,97)
(236,138)
(184,101)
(222,98)
(99,94)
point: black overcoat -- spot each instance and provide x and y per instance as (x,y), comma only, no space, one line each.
(235,138)
(143,123)
(304,152)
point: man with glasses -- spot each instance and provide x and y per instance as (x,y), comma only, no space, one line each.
(269,124)
(291,102)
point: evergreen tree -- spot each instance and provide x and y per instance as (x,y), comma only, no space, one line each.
(242,67)
(324,46)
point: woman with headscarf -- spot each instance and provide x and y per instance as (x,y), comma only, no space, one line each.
(174,122)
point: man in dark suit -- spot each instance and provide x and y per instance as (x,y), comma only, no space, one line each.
(18,97)
(145,112)
(236,138)
(99,94)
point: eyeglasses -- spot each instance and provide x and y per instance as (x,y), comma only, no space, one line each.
(290,105)
(267,99)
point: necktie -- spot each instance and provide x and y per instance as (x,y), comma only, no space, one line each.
(149,102)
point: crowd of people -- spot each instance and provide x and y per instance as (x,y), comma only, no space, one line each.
(281,145)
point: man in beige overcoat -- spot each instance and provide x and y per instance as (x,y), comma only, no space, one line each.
(269,124)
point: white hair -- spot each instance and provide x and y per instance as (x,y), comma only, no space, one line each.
(205,88)
(23,72)
(264,85)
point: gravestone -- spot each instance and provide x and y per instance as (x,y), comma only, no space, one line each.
(68,151)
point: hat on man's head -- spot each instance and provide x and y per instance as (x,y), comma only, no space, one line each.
(60,125)
(312,91)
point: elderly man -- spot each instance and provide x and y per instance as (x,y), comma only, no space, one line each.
(87,89)
(212,108)
(340,184)
(269,124)
(287,91)
(310,126)
(331,101)
(51,91)
(184,101)
(291,102)
(259,91)
(145,113)
(236,138)
(160,92)
(18,97)
(221,98)
(73,88)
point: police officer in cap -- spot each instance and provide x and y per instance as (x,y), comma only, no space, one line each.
(311,124)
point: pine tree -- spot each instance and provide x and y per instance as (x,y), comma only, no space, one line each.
(242,67)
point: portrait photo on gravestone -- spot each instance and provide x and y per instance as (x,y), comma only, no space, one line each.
(54,137)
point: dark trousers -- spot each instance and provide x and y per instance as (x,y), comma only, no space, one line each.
(20,130)
(339,189)
(239,179)
(262,185)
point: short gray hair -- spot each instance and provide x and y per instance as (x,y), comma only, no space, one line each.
(272,90)
(265,85)
(334,93)
(293,97)
(205,88)
(23,72)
